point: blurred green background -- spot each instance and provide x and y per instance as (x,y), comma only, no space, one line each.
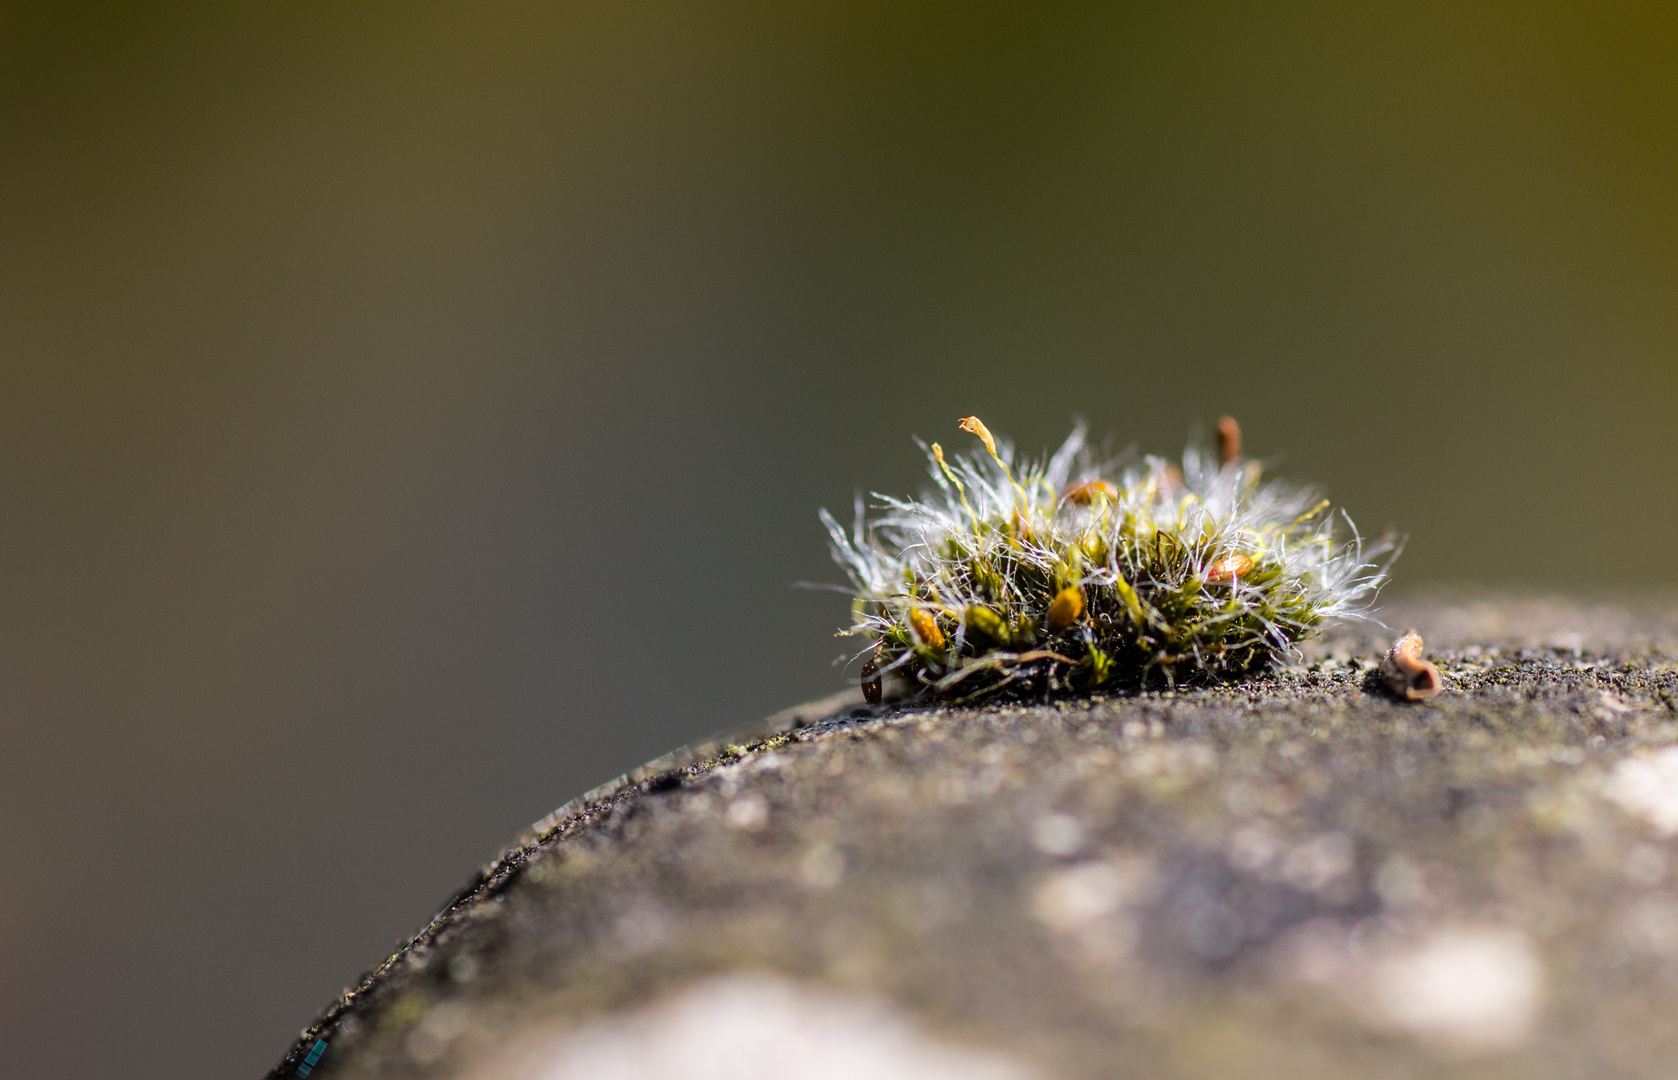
(413,414)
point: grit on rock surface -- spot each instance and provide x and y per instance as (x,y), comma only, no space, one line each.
(1299,877)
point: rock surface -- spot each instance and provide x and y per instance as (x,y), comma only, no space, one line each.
(1301,877)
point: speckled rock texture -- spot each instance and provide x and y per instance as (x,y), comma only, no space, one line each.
(1300,877)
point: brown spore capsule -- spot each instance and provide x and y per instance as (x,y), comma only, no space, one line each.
(1229,440)
(1089,491)
(872,688)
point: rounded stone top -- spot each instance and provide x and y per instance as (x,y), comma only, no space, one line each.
(1299,877)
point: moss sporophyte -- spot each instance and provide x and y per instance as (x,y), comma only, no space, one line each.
(1061,576)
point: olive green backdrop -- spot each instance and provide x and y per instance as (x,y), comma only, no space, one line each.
(413,414)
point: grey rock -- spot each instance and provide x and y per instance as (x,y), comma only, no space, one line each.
(1299,877)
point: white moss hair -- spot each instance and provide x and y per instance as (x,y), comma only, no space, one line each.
(1062,575)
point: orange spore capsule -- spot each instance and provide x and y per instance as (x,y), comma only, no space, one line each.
(926,628)
(1228,569)
(1087,492)
(1065,608)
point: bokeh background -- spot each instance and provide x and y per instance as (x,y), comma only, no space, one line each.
(414,414)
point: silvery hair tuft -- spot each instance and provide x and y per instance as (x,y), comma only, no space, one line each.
(1068,574)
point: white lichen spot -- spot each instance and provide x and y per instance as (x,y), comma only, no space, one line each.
(1319,862)
(822,867)
(643,926)
(1069,898)
(1170,764)
(953,791)
(759,1027)
(1401,884)
(1648,787)
(1091,904)
(1651,925)
(431,1038)
(463,968)
(1562,808)
(1610,705)
(1057,834)
(1318,952)
(1253,848)
(1645,864)
(1474,990)
(749,813)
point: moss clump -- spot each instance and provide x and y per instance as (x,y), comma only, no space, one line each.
(1072,573)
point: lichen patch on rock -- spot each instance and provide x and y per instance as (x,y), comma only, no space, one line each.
(1648,786)
(749,1027)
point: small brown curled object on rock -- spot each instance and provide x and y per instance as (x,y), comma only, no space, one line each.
(1229,440)
(871,686)
(1406,674)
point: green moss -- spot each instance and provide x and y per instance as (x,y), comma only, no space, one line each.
(1065,575)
